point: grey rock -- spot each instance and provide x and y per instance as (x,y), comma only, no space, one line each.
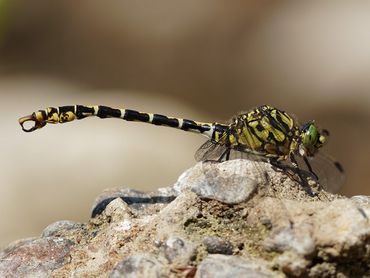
(59,227)
(15,244)
(325,270)
(35,258)
(179,251)
(118,210)
(221,266)
(139,266)
(216,245)
(335,228)
(291,264)
(271,226)
(340,222)
(106,242)
(230,182)
(135,199)
(297,239)
(361,200)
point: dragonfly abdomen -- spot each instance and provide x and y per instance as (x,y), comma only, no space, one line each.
(70,113)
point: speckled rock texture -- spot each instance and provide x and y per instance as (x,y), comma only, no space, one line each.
(232,219)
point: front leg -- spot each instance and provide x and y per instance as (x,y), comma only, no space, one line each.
(299,172)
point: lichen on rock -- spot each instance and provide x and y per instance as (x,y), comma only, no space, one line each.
(233,219)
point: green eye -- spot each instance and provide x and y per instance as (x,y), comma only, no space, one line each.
(310,135)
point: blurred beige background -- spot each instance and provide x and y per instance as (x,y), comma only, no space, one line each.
(203,60)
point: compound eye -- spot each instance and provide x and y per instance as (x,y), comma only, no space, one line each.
(310,136)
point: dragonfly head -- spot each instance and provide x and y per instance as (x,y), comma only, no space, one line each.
(312,139)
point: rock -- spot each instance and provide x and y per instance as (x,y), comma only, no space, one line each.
(118,210)
(341,226)
(35,258)
(297,239)
(216,245)
(135,199)
(324,270)
(15,244)
(139,266)
(222,266)
(361,200)
(291,264)
(60,227)
(233,219)
(178,251)
(230,182)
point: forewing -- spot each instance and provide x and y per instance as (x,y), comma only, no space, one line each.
(330,172)
(210,151)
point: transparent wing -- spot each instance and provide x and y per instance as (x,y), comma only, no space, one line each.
(330,172)
(210,151)
(213,151)
(237,154)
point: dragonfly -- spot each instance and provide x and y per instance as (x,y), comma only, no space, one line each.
(265,133)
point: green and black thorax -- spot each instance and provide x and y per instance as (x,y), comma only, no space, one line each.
(264,131)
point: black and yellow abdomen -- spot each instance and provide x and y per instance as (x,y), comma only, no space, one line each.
(265,131)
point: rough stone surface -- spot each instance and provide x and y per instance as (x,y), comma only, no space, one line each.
(34,258)
(231,182)
(139,266)
(178,251)
(222,266)
(231,219)
(217,245)
(361,199)
(136,200)
(60,227)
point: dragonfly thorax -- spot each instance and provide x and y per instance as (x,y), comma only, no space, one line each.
(265,131)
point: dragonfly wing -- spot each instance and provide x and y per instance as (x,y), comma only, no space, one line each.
(329,172)
(210,151)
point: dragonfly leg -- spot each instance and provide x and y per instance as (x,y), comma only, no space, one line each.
(310,168)
(228,154)
(298,171)
(225,155)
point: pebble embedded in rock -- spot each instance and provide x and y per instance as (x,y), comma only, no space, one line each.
(298,239)
(222,266)
(139,266)
(178,250)
(230,182)
(57,228)
(216,245)
(118,210)
(291,264)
